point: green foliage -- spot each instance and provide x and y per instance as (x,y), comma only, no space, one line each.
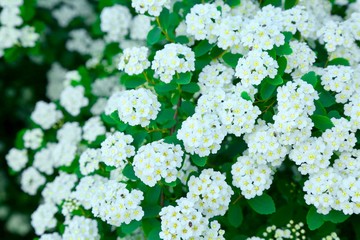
(263,204)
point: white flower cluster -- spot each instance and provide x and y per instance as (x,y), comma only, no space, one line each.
(43,218)
(173,59)
(33,138)
(65,11)
(80,41)
(215,75)
(210,193)
(105,87)
(184,221)
(80,227)
(255,67)
(116,149)
(46,114)
(153,7)
(295,105)
(135,107)
(158,160)
(134,60)
(109,200)
(338,79)
(290,231)
(202,134)
(93,128)
(73,99)
(301,58)
(200,22)
(17,159)
(217,114)
(31,180)
(89,161)
(115,21)
(140,27)
(11,33)
(59,189)
(252,179)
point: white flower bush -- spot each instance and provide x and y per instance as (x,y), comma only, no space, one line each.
(184,118)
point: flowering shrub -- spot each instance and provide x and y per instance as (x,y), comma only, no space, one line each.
(189,117)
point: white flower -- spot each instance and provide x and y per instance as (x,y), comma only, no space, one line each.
(116,149)
(46,114)
(89,161)
(153,7)
(33,138)
(137,107)
(31,180)
(173,58)
(158,160)
(115,21)
(73,99)
(93,128)
(17,159)
(134,60)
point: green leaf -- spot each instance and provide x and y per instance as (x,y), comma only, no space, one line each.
(334,114)
(235,215)
(187,108)
(152,195)
(155,233)
(153,36)
(165,115)
(151,211)
(246,96)
(283,50)
(282,62)
(198,161)
(290,4)
(322,122)
(275,3)
(326,99)
(319,108)
(164,19)
(131,227)
(233,3)
(288,36)
(202,48)
(310,78)
(339,62)
(182,39)
(129,172)
(162,88)
(231,59)
(335,216)
(131,82)
(191,87)
(184,78)
(266,90)
(263,204)
(314,220)
(276,81)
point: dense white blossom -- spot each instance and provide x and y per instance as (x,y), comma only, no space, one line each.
(255,67)
(136,107)
(31,180)
(210,193)
(46,114)
(115,21)
(172,59)
(152,7)
(158,160)
(17,159)
(73,99)
(134,60)
(116,149)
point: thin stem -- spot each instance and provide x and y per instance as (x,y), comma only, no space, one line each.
(163,31)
